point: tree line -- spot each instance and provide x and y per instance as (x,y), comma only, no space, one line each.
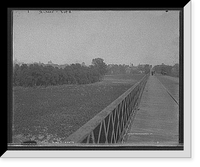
(29,75)
(167,70)
(128,69)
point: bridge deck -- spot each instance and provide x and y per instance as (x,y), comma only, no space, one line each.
(156,121)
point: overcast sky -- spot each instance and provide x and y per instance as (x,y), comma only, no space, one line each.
(119,37)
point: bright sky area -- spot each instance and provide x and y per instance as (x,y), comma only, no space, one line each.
(119,37)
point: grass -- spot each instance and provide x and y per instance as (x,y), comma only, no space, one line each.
(171,84)
(49,115)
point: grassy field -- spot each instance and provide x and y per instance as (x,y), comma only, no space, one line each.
(171,84)
(49,115)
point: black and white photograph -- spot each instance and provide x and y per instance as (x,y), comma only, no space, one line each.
(97,79)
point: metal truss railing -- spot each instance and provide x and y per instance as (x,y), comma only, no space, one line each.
(110,125)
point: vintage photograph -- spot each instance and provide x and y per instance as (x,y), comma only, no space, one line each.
(93,78)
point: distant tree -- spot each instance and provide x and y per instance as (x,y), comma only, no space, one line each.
(100,65)
(94,73)
(40,74)
(122,69)
(147,68)
(116,69)
(175,70)
(164,69)
(16,71)
(24,67)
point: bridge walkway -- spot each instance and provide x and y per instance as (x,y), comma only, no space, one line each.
(156,121)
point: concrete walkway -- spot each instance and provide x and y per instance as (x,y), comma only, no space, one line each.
(156,121)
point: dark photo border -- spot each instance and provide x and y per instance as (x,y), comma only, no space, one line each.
(180,147)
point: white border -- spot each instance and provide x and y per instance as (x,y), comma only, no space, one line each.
(144,154)
(96,154)
(187,79)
